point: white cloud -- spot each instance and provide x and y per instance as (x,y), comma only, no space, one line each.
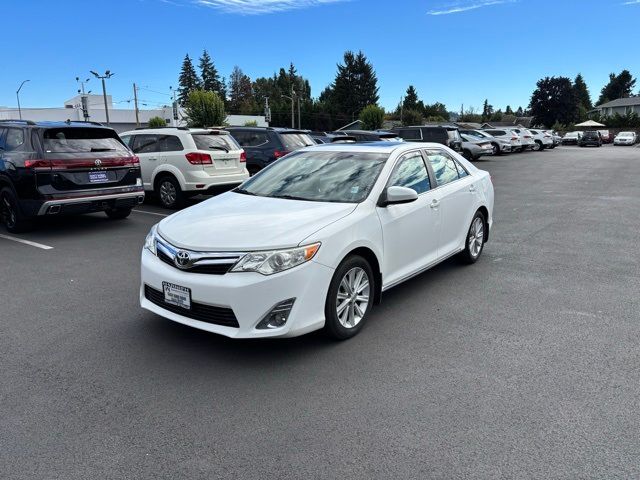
(257,7)
(632,2)
(459,7)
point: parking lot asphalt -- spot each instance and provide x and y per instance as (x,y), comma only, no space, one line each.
(524,365)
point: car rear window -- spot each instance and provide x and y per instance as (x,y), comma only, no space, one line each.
(410,133)
(215,141)
(294,141)
(83,140)
(250,138)
(438,135)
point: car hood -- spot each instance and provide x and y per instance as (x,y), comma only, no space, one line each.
(238,222)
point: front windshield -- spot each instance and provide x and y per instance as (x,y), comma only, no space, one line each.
(318,176)
(625,134)
(572,134)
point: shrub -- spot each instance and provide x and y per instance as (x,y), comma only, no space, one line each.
(156,122)
(251,123)
(411,117)
(204,109)
(372,117)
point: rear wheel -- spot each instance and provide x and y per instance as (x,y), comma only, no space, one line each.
(10,213)
(537,146)
(118,213)
(169,192)
(350,298)
(467,154)
(474,243)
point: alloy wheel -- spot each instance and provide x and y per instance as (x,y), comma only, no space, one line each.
(7,212)
(476,237)
(353,297)
(168,194)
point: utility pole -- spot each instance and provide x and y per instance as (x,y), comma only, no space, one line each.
(292,98)
(267,110)
(18,97)
(299,116)
(174,106)
(135,103)
(401,109)
(107,74)
(84,103)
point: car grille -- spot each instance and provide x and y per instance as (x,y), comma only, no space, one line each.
(211,263)
(199,311)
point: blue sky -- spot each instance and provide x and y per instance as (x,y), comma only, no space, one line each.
(453,51)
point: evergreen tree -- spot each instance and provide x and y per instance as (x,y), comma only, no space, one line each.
(487,111)
(240,92)
(554,100)
(582,93)
(410,101)
(619,86)
(188,81)
(355,85)
(519,112)
(508,111)
(211,80)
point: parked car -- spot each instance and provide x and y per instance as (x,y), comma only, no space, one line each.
(58,168)
(606,136)
(371,136)
(528,142)
(314,240)
(590,137)
(625,138)
(542,140)
(179,162)
(557,138)
(499,145)
(508,136)
(445,135)
(571,138)
(473,148)
(264,145)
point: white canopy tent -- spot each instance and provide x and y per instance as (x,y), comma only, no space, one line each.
(590,123)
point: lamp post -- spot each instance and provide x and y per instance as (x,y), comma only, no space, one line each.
(107,74)
(18,97)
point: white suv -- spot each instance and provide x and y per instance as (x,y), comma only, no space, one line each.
(178,162)
(543,140)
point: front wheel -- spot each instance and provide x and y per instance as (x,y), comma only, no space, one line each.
(350,298)
(467,154)
(496,148)
(474,243)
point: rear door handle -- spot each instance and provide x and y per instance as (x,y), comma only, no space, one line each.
(434,203)
(152,159)
(472,188)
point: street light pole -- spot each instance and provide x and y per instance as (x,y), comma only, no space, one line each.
(107,74)
(18,97)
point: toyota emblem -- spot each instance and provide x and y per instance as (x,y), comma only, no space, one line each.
(98,162)
(183,259)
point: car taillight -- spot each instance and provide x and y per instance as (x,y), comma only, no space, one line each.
(280,153)
(37,164)
(243,157)
(135,160)
(196,158)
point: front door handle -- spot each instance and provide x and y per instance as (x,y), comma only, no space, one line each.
(434,203)
(152,159)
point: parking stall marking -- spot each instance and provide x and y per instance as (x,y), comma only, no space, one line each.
(26,242)
(150,213)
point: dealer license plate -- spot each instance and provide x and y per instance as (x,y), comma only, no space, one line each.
(177,295)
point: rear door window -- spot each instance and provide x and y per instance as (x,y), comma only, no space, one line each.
(169,143)
(410,133)
(295,141)
(145,144)
(444,167)
(82,141)
(438,135)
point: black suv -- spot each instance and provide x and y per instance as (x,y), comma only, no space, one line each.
(590,137)
(445,134)
(264,145)
(55,168)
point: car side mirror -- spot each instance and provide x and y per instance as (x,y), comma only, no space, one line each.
(397,195)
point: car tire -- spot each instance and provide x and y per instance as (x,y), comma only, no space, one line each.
(169,192)
(474,241)
(345,315)
(10,213)
(467,154)
(496,149)
(118,213)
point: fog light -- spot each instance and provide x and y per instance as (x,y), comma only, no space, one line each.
(278,315)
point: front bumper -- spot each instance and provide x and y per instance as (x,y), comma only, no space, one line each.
(249,295)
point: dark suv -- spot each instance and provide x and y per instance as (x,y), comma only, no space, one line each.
(590,137)
(55,168)
(264,145)
(444,134)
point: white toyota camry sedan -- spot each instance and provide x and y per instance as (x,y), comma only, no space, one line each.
(313,240)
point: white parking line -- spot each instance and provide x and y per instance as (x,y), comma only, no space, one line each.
(150,213)
(27,242)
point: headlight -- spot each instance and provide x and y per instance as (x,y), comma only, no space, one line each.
(150,241)
(268,263)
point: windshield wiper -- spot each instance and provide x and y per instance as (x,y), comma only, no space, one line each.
(98,149)
(292,197)
(216,147)
(244,192)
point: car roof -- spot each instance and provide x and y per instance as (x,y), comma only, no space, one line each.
(271,129)
(52,124)
(372,147)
